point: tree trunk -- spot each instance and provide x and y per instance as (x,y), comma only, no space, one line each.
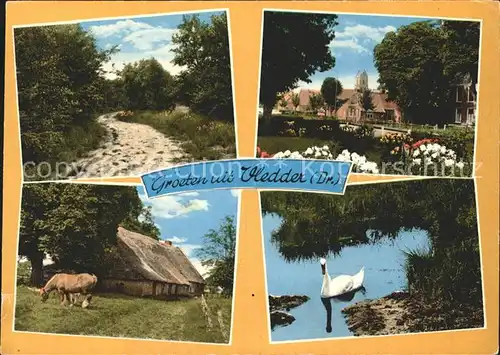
(268,110)
(37,270)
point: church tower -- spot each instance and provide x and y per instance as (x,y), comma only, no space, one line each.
(362,81)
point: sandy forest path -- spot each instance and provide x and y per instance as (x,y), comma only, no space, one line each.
(129,150)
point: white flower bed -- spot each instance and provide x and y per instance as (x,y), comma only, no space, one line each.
(359,162)
(433,153)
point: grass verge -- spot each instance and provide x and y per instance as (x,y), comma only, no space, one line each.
(123,316)
(201,138)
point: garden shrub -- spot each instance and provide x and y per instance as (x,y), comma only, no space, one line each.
(364,131)
(461,141)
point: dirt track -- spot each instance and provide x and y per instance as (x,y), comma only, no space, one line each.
(129,150)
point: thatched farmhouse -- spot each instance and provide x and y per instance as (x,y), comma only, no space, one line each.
(147,267)
(144,266)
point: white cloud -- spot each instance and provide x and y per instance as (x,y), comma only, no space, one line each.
(353,35)
(161,54)
(236,193)
(203,270)
(148,42)
(348,82)
(189,194)
(358,31)
(177,240)
(172,206)
(350,44)
(196,205)
(119,27)
(189,249)
(146,39)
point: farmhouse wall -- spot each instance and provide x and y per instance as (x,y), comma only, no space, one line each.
(133,288)
(143,288)
(196,289)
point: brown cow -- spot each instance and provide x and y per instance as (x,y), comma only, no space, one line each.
(68,285)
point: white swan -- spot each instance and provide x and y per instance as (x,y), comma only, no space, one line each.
(341,284)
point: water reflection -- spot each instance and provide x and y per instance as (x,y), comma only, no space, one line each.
(346,297)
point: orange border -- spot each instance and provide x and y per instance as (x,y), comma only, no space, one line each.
(250,332)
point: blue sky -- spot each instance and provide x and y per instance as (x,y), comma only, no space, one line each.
(139,38)
(355,38)
(185,218)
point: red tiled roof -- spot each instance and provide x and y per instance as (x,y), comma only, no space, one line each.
(379,99)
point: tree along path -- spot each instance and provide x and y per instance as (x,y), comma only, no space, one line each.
(129,150)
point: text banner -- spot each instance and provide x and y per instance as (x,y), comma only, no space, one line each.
(277,174)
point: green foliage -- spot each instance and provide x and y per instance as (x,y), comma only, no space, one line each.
(295,100)
(316,102)
(383,209)
(283,102)
(331,89)
(147,86)
(418,92)
(280,144)
(460,54)
(218,252)
(420,271)
(23,273)
(115,97)
(366,100)
(364,131)
(121,316)
(461,141)
(143,224)
(203,48)
(442,54)
(59,86)
(202,138)
(74,223)
(283,66)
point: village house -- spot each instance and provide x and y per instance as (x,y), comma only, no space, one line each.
(147,267)
(350,108)
(465,101)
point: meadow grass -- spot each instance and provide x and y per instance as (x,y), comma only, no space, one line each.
(200,137)
(445,289)
(124,316)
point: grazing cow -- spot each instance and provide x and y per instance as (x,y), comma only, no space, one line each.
(68,285)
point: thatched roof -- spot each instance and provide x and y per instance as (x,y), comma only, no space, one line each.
(144,258)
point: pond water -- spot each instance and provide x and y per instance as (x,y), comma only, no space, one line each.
(384,274)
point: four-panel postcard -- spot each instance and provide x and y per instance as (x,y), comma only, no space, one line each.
(251,177)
